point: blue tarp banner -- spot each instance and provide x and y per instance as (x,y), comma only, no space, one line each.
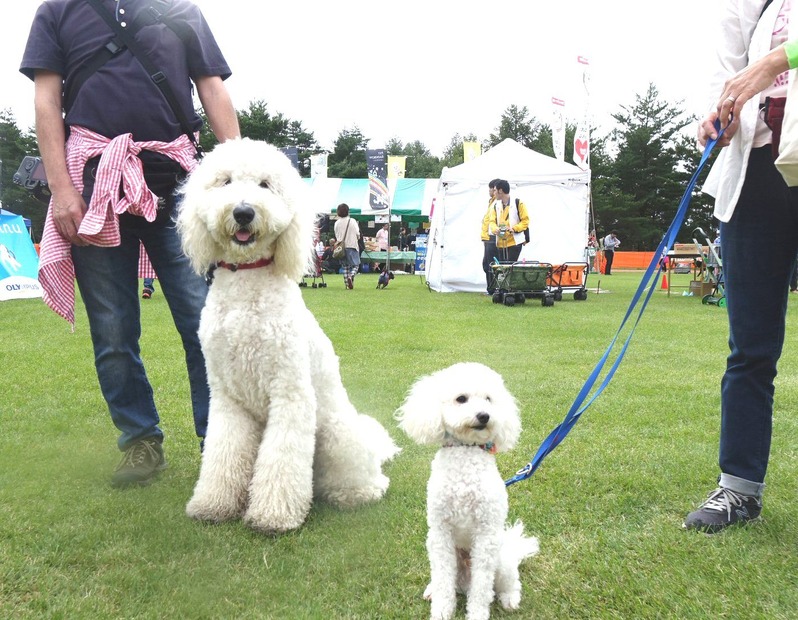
(19,263)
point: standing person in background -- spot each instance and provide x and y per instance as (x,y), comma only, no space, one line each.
(148,289)
(382,238)
(590,250)
(402,241)
(348,231)
(757,210)
(611,242)
(103,208)
(509,222)
(488,239)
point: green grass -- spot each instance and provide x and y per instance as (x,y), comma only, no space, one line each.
(607,504)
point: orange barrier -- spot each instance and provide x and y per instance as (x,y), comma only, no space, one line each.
(632,260)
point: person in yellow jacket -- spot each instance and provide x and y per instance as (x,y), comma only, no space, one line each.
(509,221)
(489,240)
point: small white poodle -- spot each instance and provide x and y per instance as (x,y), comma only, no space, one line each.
(467,410)
(281,430)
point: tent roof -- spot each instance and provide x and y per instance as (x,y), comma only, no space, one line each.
(517,164)
(409,197)
(7,212)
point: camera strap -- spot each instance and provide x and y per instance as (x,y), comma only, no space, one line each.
(125,39)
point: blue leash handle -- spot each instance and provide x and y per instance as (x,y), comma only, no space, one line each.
(577,408)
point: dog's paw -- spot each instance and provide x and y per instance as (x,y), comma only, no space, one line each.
(202,511)
(272,523)
(428,592)
(510,600)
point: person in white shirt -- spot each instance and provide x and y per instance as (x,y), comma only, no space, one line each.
(758,212)
(611,242)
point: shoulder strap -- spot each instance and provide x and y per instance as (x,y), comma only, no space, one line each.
(125,38)
(155,12)
(765,8)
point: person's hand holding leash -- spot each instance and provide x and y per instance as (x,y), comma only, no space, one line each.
(737,91)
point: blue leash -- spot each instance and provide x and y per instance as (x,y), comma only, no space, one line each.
(577,408)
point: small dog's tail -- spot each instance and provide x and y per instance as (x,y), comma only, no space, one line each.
(516,546)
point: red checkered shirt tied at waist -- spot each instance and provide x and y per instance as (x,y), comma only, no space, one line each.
(119,167)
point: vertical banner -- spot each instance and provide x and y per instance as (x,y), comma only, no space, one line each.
(471,150)
(558,128)
(378,183)
(292,153)
(318,165)
(19,263)
(396,166)
(421,254)
(582,135)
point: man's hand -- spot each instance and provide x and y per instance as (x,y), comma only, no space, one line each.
(68,211)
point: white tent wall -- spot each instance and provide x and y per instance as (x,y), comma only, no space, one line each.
(557,234)
(555,194)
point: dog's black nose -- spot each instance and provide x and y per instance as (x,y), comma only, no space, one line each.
(243,214)
(483,418)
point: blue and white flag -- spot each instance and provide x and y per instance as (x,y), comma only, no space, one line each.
(19,263)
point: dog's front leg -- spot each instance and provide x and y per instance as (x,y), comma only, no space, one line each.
(227,460)
(484,561)
(443,572)
(281,490)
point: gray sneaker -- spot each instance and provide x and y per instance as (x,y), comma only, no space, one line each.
(721,509)
(140,464)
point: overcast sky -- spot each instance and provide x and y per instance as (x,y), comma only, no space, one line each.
(427,70)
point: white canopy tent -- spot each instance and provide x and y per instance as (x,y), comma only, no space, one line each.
(410,198)
(555,193)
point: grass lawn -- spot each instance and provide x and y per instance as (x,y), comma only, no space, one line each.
(607,505)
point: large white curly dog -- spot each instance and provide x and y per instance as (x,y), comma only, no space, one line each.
(281,429)
(467,410)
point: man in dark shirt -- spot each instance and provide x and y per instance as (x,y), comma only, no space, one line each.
(112,189)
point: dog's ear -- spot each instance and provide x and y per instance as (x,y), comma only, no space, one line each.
(293,249)
(420,415)
(509,430)
(197,244)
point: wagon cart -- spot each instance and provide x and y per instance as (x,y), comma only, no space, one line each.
(514,283)
(569,277)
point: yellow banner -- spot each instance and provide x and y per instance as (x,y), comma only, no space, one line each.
(396,166)
(471,150)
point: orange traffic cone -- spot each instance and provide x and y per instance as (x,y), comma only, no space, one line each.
(664,282)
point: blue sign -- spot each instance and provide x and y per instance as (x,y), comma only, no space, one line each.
(19,263)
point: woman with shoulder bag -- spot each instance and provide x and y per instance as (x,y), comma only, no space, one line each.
(347,232)
(757,209)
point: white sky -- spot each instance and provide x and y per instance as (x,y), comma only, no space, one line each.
(426,70)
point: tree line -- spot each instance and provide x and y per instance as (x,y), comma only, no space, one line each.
(639,169)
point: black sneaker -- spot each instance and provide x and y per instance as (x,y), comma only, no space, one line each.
(721,509)
(140,464)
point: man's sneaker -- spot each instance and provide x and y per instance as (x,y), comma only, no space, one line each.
(721,509)
(147,293)
(140,464)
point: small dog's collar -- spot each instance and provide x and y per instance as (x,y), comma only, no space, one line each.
(263,262)
(451,442)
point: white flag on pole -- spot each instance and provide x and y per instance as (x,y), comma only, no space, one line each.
(558,128)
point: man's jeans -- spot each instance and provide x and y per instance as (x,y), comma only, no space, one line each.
(758,247)
(108,283)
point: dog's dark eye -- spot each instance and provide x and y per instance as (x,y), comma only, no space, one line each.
(264,184)
(462,399)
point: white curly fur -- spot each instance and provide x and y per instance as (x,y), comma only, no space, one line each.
(465,408)
(281,428)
